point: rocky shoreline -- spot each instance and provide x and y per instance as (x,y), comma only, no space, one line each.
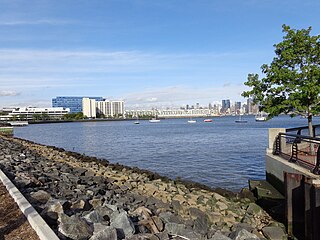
(83,197)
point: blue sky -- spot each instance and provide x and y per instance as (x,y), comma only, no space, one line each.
(151,53)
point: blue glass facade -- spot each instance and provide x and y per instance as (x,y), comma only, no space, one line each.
(74,103)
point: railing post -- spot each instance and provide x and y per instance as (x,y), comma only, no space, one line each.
(277,147)
(294,151)
(316,170)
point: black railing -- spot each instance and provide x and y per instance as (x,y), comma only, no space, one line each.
(300,149)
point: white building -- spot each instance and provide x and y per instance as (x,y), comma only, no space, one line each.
(28,113)
(108,108)
(89,107)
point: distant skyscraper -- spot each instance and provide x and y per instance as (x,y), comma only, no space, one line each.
(197,105)
(73,103)
(210,106)
(225,105)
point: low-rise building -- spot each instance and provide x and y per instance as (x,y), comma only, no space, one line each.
(29,113)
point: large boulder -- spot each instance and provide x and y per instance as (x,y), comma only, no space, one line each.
(243,235)
(123,224)
(274,233)
(108,233)
(74,227)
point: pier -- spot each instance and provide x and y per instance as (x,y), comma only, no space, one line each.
(293,169)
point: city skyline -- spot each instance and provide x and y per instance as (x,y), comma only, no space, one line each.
(149,54)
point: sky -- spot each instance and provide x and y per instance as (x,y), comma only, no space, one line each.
(150,53)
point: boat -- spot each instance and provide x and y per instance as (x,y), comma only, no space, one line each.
(154,120)
(240,120)
(18,123)
(137,121)
(207,120)
(260,117)
(192,121)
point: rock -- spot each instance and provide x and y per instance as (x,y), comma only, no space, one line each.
(221,206)
(74,227)
(169,217)
(274,233)
(81,204)
(159,224)
(143,236)
(162,235)
(100,214)
(254,209)
(53,209)
(123,224)
(243,235)
(183,231)
(40,196)
(201,225)
(219,236)
(108,233)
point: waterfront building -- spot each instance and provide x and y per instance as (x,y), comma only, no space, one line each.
(237,107)
(73,103)
(107,108)
(172,113)
(28,113)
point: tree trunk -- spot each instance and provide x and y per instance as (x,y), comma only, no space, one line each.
(310,127)
(311,133)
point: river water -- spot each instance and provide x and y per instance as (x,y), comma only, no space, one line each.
(219,154)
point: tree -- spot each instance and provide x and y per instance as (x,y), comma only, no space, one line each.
(291,83)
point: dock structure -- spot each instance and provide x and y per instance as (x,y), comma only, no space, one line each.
(293,168)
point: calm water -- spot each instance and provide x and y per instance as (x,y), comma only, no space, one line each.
(219,154)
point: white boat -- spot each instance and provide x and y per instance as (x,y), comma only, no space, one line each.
(192,121)
(154,120)
(260,117)
(240,120)
(18,123)
(208,120)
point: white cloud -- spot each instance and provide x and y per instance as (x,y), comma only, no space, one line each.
(183,95)
(34,22)
(8,93)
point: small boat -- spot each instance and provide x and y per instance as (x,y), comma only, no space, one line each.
(260,117)
(207,120)
(18,123)
(154,120)
(240,120)
(192,121)
(137,121)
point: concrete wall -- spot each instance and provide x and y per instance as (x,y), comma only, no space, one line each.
(276,166)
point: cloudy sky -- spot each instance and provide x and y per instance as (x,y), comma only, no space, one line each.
(150,53)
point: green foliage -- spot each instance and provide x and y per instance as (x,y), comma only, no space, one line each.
(291,83)
(73,116)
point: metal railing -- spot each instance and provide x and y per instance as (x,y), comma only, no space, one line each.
(300,149)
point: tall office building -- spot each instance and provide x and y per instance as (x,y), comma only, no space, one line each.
(237,107)
(73,103)
(225,105)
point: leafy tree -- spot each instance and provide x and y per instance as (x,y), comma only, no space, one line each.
(291,83)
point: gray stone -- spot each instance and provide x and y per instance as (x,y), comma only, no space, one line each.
(100,214)
(123,224)
(108,233)
(219,236)
(201,225)
(274,233)
(143,236)
(243,235)
(40,196)
(74,227)
(183,231)
(169,217)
